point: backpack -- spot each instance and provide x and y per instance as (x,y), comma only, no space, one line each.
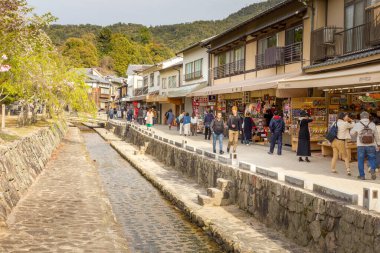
(333,132)
(366,135)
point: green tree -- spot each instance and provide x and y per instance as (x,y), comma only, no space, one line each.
(104,41)
(81,51)
(145,36)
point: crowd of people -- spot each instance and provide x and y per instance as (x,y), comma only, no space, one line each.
(365,131)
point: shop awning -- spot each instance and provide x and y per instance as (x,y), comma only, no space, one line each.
(260,83)
(348,77)
(157,98)
(186,90)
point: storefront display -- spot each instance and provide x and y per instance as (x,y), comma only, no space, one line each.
(316,107)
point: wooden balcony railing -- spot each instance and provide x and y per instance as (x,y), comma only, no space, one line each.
(230,69)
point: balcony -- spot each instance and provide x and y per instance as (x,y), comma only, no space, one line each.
(333,42)
(141,91)
(230,69)
(273,56)
(193,76)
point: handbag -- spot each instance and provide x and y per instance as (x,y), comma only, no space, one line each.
(332,134)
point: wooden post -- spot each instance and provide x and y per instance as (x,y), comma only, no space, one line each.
(2,116)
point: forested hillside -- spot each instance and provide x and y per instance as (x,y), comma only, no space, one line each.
(108,46)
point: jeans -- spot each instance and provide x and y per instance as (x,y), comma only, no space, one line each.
(368,152)
(276,137)
(214,138)
(207,133)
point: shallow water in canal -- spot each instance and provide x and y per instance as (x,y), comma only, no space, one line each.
(150,223)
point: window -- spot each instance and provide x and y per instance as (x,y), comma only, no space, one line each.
(146,80)
(354,18)
(193,70)
(158,80)
(151,80)
(164,83)
(104,91)
(266,43)
(172,81)
(293,44)
(239,54)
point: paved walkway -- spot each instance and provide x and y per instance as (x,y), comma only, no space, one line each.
(318,171)
(66,209)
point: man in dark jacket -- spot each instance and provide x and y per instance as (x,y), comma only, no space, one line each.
(208,119)
(217,129)
(277,128)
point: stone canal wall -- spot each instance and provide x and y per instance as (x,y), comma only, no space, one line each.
(309,219)
(22,161)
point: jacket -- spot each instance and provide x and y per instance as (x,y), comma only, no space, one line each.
(186,120)
(344,129)
(217,126)
(208,118)
(277,125)
(355,132)
(236,121)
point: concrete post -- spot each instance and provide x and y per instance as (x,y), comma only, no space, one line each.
(2,116)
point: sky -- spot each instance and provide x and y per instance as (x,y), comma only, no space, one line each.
(146,12)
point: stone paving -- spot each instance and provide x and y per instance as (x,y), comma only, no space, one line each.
(318,171)
(235,227)
(66,209)
(150,223)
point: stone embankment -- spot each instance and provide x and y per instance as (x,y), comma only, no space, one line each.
(22,161)
(319,223)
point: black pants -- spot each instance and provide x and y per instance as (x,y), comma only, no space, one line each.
(207,133)
(276,137)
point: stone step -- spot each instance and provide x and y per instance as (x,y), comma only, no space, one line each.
(204,200)
(222,183)
(215,193)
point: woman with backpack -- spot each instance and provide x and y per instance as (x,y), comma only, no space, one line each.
(338,145)
(303,148)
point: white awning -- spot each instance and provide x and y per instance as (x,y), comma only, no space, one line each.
(186,90)
(260,83)
(348,77)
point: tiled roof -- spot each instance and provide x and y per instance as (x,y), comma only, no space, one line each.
(132,68)
(344,59)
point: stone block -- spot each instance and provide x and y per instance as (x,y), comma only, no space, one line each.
(199,151)
(171,142)
(178,144)
(244,166)
(190,148)
(225,160)
(156,137)
(210,155)
(294,181)
(267,173)
(214,193)
(349,198)
(204,200)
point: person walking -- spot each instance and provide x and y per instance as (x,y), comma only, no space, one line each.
(208,119)
(234,128)
(303,148)
(194,124)
(277,128)
(367,139)
(140,116)
(344,124)
(248,125)
(169,118)
(111,113)
(186,124)
(217,129)
(130,114)
(180,123)
(149,118)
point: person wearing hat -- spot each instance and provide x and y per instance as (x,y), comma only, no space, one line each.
(367,138)
(234,128)
(303,148)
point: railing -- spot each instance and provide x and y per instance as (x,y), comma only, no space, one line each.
(333,42)
(141,91)
(272,57)
(230,69)
(293,53)
(193,75)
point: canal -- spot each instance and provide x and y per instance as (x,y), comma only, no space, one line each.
(150,223)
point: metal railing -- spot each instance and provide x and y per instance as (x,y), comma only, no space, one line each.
(230,69)
(333,42)
(141,91)
(293,53)
(272,57)
(193,75)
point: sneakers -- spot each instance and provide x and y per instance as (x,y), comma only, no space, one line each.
(361,177)
(221,152)
(228,149)
(270,153)
(373,175)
